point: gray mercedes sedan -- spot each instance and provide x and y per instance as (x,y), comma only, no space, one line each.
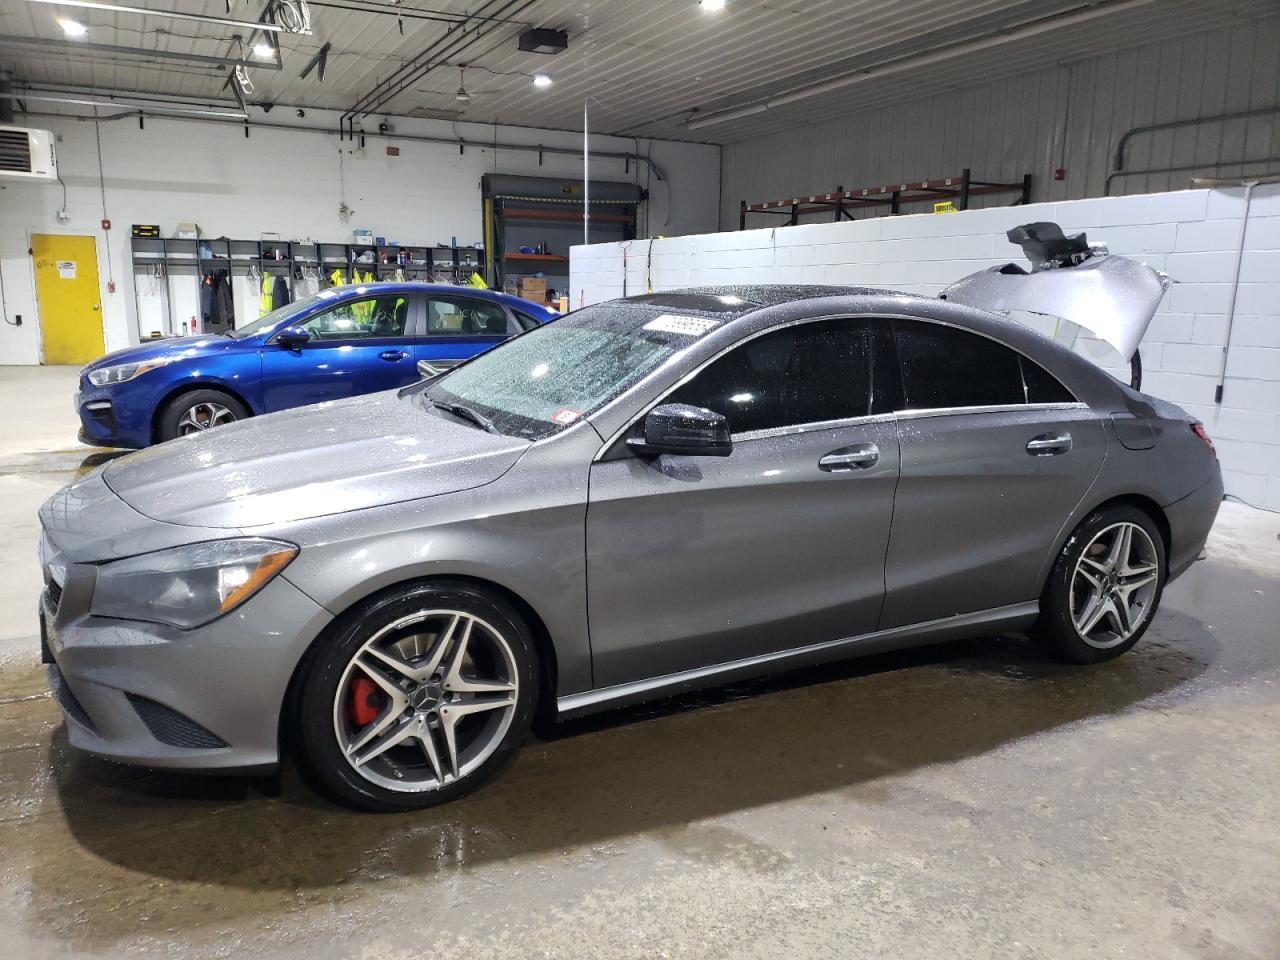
(643,497)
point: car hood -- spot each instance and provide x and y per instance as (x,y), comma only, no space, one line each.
(311,462)
(179,347)
(1112,297)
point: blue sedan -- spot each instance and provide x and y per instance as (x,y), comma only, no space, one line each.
(341,342)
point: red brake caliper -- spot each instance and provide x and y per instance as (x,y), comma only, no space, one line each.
(366,703)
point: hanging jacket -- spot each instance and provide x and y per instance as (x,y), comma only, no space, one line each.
(279,292)
(206,299)
(264,301)
(223,313)
(336,279)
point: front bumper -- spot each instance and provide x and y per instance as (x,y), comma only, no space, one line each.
(114,416)
(204,699)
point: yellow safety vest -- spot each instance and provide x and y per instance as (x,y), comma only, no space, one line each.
(336,279)
(264,300)
(475,280)
(363,311)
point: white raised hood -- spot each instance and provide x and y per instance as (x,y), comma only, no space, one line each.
(1112,297)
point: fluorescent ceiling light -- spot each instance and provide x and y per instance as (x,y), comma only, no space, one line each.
(72,28)
(711,6)
(263,49)
(541,80)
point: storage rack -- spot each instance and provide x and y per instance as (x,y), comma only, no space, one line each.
(442,263)
(841,202)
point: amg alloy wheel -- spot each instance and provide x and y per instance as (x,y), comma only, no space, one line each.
(426,700)
(1104,587)
(1115,581)
(418,696)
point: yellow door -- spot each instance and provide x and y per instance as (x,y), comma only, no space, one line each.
(69,298)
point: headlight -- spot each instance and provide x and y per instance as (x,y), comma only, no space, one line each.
(188,586)
(126,371)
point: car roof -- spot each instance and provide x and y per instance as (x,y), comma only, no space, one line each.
(740,299)
(414,286)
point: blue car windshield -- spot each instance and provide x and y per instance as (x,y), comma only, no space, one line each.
(545,380)
(269,320)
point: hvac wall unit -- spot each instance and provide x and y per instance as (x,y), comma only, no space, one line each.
(530,223)
(27,155)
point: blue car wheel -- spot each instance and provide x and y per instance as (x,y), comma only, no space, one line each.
(197,411)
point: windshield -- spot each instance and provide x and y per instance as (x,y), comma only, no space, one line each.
(543,381)
(269,320)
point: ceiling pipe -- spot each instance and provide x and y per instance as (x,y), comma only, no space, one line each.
(937,55)
(72,46)
(436,53)
(170,14)
(235,118)
(140,111)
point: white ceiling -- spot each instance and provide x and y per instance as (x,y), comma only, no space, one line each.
(648,65)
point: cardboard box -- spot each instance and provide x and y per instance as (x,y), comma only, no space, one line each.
(533,288)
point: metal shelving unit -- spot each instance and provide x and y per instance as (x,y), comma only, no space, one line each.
(841,202)
(166,258)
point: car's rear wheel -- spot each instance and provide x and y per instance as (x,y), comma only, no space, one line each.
(197,411)
(419,697)
(1105,586)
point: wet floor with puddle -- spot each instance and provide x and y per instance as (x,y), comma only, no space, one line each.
(969,799)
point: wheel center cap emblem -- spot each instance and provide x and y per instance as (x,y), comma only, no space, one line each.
(426,696)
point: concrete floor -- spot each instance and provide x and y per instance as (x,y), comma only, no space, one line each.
(960,801)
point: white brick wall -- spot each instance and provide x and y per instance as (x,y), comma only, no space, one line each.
(1190,234)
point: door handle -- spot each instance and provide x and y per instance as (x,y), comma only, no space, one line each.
(1049,444)
(857,457)
(393,355)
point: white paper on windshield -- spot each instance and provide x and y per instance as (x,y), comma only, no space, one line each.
(686,326)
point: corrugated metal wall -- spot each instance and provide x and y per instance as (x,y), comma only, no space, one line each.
(1067,116)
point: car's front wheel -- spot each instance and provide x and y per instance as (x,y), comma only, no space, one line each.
(1105,586)
(198,410)
(419,697)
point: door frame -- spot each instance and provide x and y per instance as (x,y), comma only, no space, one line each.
(100,239)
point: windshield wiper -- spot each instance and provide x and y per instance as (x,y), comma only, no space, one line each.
(465,413)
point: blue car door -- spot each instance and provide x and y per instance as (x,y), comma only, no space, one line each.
(356,347)
(458,327)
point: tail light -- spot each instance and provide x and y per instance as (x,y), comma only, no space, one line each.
(1198,430)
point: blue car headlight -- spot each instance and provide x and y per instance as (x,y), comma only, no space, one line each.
(120,372)
(188,586)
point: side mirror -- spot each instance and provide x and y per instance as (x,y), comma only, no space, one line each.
(684,429)
(293,337)
(426,371)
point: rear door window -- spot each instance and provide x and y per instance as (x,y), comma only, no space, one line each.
(806,373)
(467,317)
(946,367)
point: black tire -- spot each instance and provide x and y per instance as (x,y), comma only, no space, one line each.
(169,425)
(315,707)
(1056,628)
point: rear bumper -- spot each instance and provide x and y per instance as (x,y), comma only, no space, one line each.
(1190,520)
